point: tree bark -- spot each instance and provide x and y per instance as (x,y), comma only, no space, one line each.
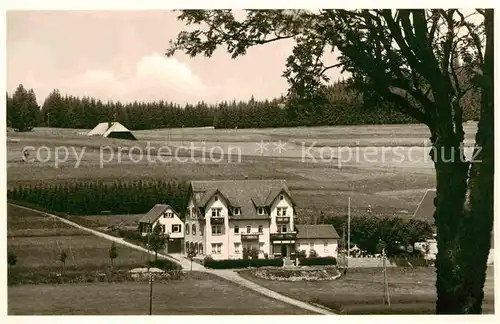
(464,208)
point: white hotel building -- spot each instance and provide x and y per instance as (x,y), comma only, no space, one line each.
(224,217)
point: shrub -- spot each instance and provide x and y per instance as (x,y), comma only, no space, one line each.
(302,254)
(131,235)
(313,253)
(164,265)
(241,263)
(11,259)
(318,261)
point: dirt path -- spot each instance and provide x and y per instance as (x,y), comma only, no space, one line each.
(186,265)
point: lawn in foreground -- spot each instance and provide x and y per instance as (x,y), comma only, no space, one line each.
(38,240)
(198,294)
(412,291)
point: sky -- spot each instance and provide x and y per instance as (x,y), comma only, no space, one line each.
(119,55)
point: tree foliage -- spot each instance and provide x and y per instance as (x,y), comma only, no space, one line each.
(113,253)
(157,240)
(91,198)
(367,232)
(22,109)
(411,60)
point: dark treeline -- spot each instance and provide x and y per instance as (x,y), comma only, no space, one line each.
(370,233)
(95,197)
(342,107)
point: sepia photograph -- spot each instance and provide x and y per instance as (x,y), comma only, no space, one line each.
(249,161)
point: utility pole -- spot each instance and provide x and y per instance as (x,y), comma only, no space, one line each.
(150,273)
(48,118)
(348,226)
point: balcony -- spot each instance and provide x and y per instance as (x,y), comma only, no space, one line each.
(283,236)
(250,236)
(217,220)
(283,219)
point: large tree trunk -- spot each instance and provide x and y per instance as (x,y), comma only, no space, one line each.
(464,211)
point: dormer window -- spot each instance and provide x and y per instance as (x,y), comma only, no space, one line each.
(260,211)
(281,197)
(236,211)
(216,197)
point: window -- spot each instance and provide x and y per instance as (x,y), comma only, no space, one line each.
(189,212)
(249,229)
(216,248)
(236,211)
(261,229)
(325,247)
(201,248)
(237,248)
(260,211)
(281,211)
(168,215)
(193,212)
(176,228)
(163,228)
(281,197)
(282,228)
(187,229)
(216,229)
(236,229)
(216,212)
(193,229)
(216,198)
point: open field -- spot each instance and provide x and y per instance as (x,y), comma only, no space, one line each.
(412,291)
(37,241)
(321,179)
(198,294)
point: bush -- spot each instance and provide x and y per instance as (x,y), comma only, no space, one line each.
(241,263)
(318,261)
(302,254)
(313,254)
(164,265)
(131,235)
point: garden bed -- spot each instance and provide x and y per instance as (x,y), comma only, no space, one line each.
(299,274)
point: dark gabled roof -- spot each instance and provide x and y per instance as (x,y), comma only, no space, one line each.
(155,213)
(316,232)
(426,208)
(245,194)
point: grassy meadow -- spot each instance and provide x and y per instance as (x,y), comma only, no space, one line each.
(38,240)
(360,292)
(320,175)
(197,294)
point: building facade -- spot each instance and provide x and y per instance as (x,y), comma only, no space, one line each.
(225,218)
(170,223)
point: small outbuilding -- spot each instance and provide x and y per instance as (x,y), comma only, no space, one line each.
(321,238)
(112,130)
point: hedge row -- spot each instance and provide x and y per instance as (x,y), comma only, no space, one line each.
(90,198)
(317,261)
(240,263)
